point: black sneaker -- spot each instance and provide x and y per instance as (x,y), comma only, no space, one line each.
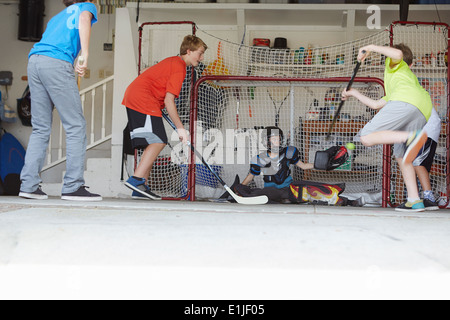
(81,195)
(36,195)
(430,205)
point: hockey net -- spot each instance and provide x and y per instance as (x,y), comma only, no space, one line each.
(233,111)
(308,81)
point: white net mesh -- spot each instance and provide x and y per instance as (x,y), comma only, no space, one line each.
(429,43)
(232,119)
(302,109)
(305,62)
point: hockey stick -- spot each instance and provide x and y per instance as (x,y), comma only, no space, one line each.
(349,86)
(239,199)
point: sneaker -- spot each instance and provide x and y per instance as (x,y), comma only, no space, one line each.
(138,196)
(413,145)
(139,185)
(37,195)
(81,195)
(416,206)
(430,205)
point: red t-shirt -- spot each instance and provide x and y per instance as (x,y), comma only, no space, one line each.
(147,92)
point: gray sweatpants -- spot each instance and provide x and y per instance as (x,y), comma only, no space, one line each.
(53,84)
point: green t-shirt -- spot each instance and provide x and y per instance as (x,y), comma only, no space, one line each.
(401,84)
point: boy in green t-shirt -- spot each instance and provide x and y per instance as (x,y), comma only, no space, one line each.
(404,111)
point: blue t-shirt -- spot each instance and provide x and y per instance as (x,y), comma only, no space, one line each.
(61,39)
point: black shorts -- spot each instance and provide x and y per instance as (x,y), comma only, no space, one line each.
(426,155)
(145,129)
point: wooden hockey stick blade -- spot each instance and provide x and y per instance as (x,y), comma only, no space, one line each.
(239,199)
(247,200)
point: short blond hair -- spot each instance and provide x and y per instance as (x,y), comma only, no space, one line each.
(192,43)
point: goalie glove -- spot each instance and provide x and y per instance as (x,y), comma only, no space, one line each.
(331,158)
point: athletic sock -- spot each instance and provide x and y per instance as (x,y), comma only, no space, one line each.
(428,194)
(412,200)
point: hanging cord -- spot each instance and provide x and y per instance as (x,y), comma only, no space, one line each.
(137,11)
(437,11)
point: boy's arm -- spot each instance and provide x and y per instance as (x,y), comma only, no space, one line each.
(305,166)
(248,179)
(396,55)
(84,29)
(169,102)
(373,104)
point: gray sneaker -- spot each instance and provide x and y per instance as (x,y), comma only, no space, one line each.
(36,195)
(81,195)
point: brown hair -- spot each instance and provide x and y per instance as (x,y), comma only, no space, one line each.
(407,53)
(192,43)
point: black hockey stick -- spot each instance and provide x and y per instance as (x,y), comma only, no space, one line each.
(239,199)
(349,86)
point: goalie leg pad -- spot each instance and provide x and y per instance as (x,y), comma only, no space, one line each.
(314,192)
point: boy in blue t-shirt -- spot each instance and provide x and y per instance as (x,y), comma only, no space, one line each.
(52,82)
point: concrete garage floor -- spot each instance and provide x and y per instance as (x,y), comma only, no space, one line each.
(125,249)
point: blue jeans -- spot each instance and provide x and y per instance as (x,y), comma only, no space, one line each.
(53,85)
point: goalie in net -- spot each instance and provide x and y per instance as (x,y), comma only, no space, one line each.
(280,187)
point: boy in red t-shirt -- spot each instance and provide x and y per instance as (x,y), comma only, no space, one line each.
(145,98)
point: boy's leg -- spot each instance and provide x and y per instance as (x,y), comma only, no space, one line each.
(384,137)
(41,117)
(148,159)
(61,85)
(429,201)
(422,165)
(138,182)
(392,125)
(409,177)
(145,132)
(424,177)
(74,124)
(413,141)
